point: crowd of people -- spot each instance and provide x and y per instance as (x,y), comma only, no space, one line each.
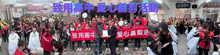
(48,35)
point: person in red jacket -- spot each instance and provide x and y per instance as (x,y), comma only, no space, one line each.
(109,17)
(47,41)
(205,37)
(93,23)
(137,40)
(21,49)
(84,23)
(126,25)
(78,23)
(144,21)
(87,42)
(5,33)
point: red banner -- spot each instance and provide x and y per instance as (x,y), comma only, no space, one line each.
(140,32)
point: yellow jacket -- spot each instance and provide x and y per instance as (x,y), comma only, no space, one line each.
(175,22)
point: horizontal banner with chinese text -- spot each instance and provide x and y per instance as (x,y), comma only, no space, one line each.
(139,32)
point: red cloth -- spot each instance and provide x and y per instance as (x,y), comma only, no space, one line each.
(18,52)
(202,36)
(66,27)
(86,29)
(76,25)
(109,19)
(42,30)
(92,25)
(127,27)
(136,26)
(45,42)
(118,27)
(2,31)
(218,37)
(84,24)
(144,22)
(133,20)
(153,36)
(104,24)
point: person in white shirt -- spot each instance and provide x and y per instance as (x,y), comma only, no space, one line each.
(34,42)
(13,42)
(121,22)
(50,20)
(71,28)
(43,19)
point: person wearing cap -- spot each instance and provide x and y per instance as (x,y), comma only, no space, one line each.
(211,24)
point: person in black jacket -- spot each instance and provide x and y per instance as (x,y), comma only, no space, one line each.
(18,29)
(165,39)
(152,40)
(112,31)
(216,42)
(211,24)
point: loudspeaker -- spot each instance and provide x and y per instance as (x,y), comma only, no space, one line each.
(194,6)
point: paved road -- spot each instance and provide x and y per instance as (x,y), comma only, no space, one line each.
(182,48)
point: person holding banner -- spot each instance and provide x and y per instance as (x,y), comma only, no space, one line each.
(137,40)
(112,31)
(98,27)
(165,39)
(87,42)
(71,28)
(126,25)
(79,42)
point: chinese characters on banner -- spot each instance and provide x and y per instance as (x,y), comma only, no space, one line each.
(102,7)
(140,32)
